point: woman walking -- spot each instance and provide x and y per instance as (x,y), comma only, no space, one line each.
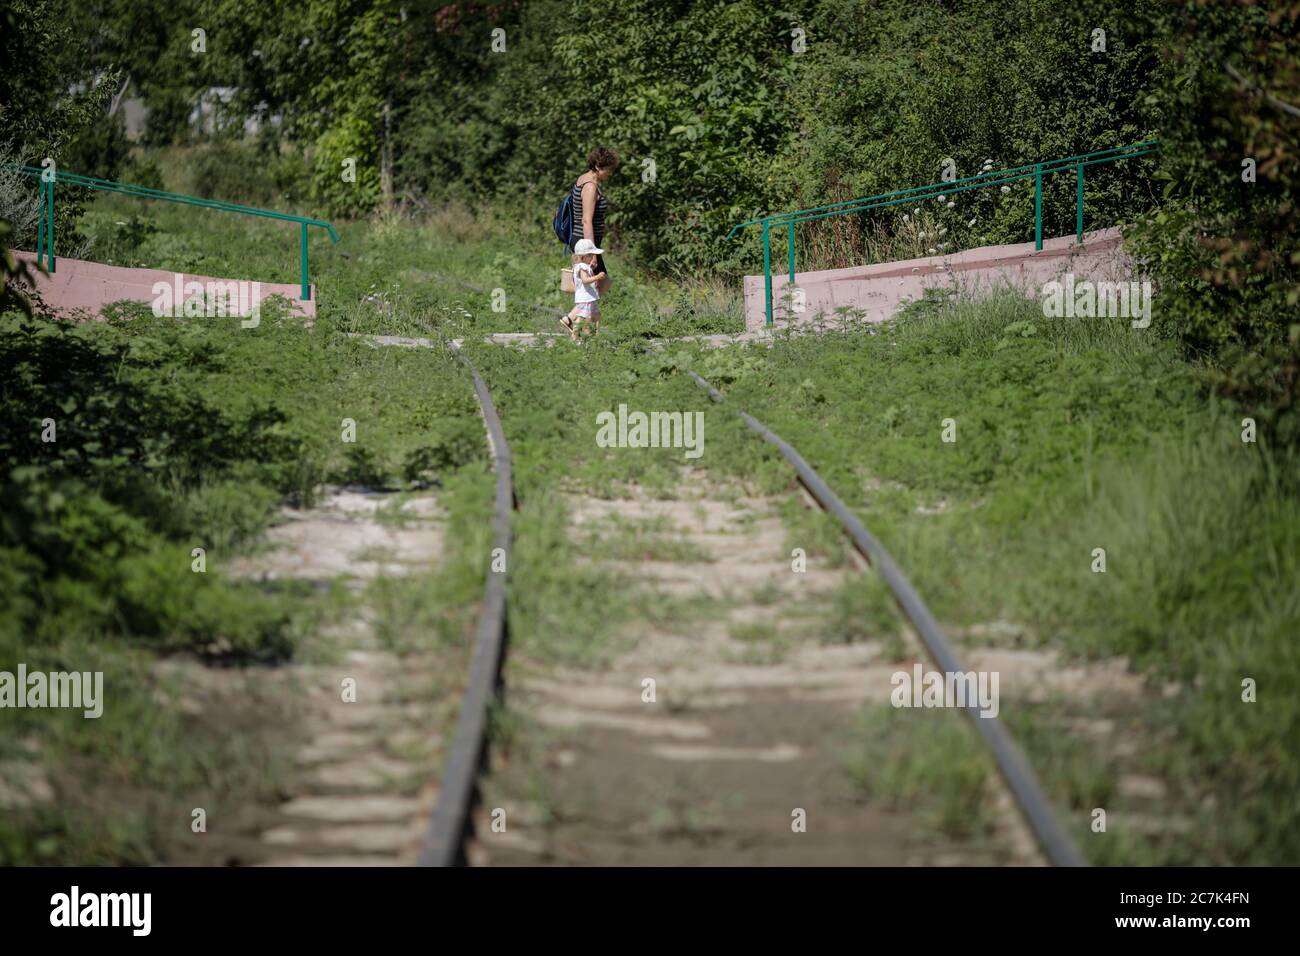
(590,206)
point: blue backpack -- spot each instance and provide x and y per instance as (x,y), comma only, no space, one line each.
(563,223)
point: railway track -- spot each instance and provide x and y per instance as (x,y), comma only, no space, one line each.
(451,824)
(444,844)
(1011,764)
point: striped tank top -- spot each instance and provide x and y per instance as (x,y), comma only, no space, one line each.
(597,219)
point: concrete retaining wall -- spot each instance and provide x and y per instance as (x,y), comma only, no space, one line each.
(882,289)
(81,289)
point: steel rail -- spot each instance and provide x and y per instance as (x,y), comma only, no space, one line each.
(444,843)
(1015,770)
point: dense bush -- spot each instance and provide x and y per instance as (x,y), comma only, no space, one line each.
(260,174)
(1223,247)
(108,457)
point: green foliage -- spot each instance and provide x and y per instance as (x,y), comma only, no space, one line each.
(954,81)
(100,151)
(244,172)
(43,52)
(924,760)
(333,78)
(1223,248)
(454,443)
(50,97)
(13,270)
(149,44)
(92,438)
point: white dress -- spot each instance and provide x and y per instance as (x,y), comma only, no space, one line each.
(585,294)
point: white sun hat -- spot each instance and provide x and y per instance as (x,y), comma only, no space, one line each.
(586,247)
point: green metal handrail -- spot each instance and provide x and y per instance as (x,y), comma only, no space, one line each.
(45,224)
(1035,171)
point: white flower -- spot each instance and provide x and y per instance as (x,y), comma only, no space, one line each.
(1006,189)
(933,250)
(941,197)
(972,222)
(906,217)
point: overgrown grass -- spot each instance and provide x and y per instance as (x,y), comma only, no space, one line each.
(923,761)
(1072,437)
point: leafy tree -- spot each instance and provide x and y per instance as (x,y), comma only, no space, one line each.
(149,44)
(47,93)
(49,96)
(330,69)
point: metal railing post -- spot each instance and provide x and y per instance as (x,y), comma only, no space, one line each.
(40,225)
(767,271)
(789,242)
(1038,207)
(49,232)
(1078,202)
(302,243)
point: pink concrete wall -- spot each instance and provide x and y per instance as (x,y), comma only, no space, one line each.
(882,289)
(81,289)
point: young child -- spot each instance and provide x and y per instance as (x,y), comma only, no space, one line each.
(586,296)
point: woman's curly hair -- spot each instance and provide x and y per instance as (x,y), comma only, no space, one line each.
(602,157)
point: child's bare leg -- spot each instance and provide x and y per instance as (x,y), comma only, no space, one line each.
(570,322)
